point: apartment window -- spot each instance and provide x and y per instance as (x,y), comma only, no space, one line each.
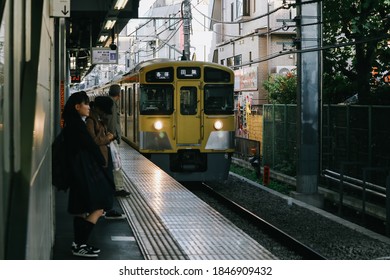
(172,22)
(172,52)
(238,59)
(222,61)
(242,8)
(247,8)
(215,56)
(232,12)
(230,61)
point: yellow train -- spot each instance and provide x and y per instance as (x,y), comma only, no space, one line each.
(179,114)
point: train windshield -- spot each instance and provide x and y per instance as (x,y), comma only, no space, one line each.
(218,99)
(156,100)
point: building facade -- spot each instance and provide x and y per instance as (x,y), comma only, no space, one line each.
(164,32)
(251,36)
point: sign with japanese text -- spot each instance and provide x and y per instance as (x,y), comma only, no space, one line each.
(104,56)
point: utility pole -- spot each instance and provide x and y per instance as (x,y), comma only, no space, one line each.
(187,19)
(308,96)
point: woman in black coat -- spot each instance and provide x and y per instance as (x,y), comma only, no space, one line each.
(92,189)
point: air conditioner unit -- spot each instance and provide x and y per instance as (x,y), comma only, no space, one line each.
(283,70)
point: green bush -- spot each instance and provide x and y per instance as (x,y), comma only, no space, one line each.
(251,175)
(282,89)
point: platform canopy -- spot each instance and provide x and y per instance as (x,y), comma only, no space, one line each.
(95,23)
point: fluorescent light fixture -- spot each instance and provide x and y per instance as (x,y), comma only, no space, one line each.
(110,24)
(72,62)
(103,38)
(120,4)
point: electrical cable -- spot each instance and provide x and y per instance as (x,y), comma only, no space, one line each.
(281,53)
(284,6)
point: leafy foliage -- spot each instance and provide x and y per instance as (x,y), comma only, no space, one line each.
(348,69)
(358,32)
(282,89)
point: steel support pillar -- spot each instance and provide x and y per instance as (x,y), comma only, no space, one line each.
(308,96)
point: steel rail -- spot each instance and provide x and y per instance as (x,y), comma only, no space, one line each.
(276,233)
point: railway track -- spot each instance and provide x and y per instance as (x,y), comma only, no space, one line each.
(246,217)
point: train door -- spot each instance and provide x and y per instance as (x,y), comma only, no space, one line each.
(125,110)
(136,113)
(188,114)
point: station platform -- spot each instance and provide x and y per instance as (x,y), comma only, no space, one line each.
(164,221)
(114,237)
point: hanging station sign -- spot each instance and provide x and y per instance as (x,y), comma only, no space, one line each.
(60,8)
(104,56)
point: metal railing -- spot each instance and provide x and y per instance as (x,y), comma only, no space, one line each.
(249,150)
(362,187)
(246,148)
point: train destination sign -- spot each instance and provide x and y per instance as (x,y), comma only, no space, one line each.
(160,75)
(188,72)
(104,56)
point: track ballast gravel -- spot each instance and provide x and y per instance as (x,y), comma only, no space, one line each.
(334,238)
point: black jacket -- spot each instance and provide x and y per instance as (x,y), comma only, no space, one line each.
(92,186)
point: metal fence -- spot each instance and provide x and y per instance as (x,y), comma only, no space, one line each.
(350,134)
(279,138)
(357,136)
(246,148)
(354,151)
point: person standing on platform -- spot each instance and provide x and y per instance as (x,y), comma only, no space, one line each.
(91,190)
(97,128)
(113,125)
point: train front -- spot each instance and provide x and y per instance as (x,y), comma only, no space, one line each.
(186,119)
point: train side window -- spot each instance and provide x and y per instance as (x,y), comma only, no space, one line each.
(122,102)
(129,101)
(188,101)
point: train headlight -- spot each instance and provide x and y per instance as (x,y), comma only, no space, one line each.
(158,125)
(218,125)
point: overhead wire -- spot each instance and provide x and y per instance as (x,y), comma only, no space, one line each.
(285,6)
(165,41)
(149,20)
(155,35)
(340,45)
(168,39)
(273,30)
(286,27)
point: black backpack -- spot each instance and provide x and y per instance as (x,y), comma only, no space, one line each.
(59,165)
